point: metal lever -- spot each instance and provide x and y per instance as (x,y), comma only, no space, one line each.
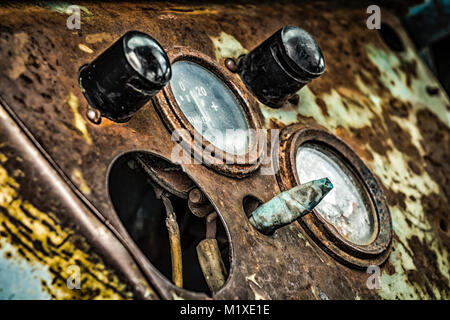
(289,205)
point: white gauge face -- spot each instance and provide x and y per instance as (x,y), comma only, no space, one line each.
(210,106)
(347,207)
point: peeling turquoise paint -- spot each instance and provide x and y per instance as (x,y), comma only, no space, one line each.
(290,205)
(21,279)
(348,110)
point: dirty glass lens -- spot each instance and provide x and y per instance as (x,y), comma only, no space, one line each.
(347,207)
(147,57)
(210,107)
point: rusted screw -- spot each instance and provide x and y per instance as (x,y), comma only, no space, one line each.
(94,115)
(231,64)
(196,196)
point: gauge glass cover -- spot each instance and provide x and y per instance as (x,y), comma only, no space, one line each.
(210,106)
(347,207)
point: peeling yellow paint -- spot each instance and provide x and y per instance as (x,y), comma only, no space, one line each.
(79,121)
(85,48)
(41,240)
(3,158)
(77,177)
(18,173)
(99,37)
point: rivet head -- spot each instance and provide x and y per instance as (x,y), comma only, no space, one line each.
(231,64)
(94,115)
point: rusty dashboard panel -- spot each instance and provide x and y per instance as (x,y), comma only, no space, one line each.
(92,190)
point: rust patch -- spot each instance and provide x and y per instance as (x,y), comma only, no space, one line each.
(401,138)
(425,261)
(99,37)
(345,56)
(395,198)
(371,136)
(359,148)
(399,108)
(323,106)
(409,68)
(436,144)
(275,124)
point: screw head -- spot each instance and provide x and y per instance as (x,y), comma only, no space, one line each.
(94,115)
(231,64)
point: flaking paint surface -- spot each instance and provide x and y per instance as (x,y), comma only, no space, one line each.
(349,110)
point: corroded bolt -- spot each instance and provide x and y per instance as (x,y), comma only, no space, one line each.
(289,205)
(94,115)
(231,64)
(196,196)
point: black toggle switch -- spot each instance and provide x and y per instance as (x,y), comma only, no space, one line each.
(281,65)
(125,76)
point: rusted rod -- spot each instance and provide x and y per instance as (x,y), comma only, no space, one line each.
(209,257)
(175,242)
(211,225)
(211,263)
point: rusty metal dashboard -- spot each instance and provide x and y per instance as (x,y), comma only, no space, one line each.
(88,178)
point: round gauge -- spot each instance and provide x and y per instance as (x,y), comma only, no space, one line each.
(210,106)
(347,207)
(352,223)
(211,113)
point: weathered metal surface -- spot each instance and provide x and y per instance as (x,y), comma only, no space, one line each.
(45,251)
(371,97)
(166,174)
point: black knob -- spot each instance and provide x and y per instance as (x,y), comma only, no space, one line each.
(125,76)
(281,65)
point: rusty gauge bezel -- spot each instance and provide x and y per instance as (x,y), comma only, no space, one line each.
(322,232)
(174,117)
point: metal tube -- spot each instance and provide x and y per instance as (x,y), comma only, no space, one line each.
(175,243)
